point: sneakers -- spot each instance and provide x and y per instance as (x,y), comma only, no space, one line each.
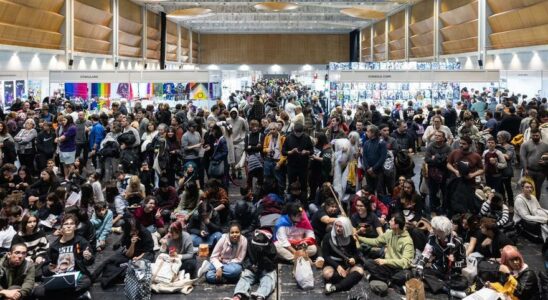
(85,296)
(319,262)
(330,288)
(117,230)
(203,269)
(457,294)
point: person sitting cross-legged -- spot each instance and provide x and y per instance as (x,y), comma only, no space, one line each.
(399,251)
(225,264)
(344,264)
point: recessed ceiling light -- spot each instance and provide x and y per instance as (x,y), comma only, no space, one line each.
(275,6)
(362,13)
(190,12)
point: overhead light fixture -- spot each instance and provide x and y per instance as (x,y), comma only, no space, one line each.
(363,13)
(190,12)
(275,6)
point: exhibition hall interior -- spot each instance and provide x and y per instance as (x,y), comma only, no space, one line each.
(249,149)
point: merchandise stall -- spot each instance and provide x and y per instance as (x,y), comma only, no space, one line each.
(22,84)
(149,87)
(386,87)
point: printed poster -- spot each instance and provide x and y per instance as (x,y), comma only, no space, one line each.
(8,93)
(19,88)
(198,91)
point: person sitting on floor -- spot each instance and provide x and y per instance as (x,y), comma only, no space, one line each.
(102,222)
(293,232)
(399,250)
(225,263)
(259,266)
(179,242)
(204,226)
(495,208)
(443,256)
(16,274)
(344,262)
(491,239)
(527,210)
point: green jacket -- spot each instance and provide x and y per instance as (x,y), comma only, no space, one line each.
(22,276)
(399,249)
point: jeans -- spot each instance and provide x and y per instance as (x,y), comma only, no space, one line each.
(269,170)
(211,239)
(231,273)
(437,205)
(82,149)
(267,282)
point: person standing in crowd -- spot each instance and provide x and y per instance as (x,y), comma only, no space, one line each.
(25,141)
(67,145)
(274,162)
(429,134)
(534,161)
(297,148)
(81,138)
(374,153)
(494,162)
(240,128)
(436,158)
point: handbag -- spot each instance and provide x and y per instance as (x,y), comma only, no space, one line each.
(138,280)
(216,168)
(64,281)
(414,289)
(165,269)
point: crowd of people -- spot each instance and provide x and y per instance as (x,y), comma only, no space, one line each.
(331,184)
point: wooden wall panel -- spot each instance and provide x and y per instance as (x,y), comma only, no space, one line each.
(531,16)
(185,45)
(421,29)
(396,36)
(498,6)
(92,26)
(171,41)
(460,26)
(518,23)
(130,29)
(366,44)
(153,35)
(31,23)
(273,48)
(379,49)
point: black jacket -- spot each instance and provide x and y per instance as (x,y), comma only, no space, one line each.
(301,143)
(260,258)
(45,143)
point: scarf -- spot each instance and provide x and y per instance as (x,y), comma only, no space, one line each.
(344,240)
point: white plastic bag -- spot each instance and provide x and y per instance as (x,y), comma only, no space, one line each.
(471,270)
(303,273)
(165,269)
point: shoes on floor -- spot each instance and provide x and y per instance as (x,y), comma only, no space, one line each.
(203,269)
(330,288)
(319,262)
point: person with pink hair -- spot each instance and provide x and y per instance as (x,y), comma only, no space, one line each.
(511,263)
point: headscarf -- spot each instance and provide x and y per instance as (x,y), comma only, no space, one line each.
(347,232)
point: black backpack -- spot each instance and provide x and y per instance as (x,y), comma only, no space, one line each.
(110,149)
(127,138)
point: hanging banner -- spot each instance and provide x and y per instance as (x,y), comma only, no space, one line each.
(19,88)
(8,93)
(416,76)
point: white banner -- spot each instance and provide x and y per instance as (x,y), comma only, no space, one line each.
(128,76)
(415,76)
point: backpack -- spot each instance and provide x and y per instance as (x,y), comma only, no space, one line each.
(138,280)
(110,149)
(403,161)
(127,138)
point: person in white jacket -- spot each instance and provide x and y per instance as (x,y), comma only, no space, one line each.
(527,207)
